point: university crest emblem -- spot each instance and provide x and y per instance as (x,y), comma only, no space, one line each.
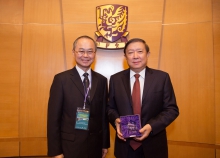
(112,22)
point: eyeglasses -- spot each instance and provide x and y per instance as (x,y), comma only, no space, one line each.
(82,52)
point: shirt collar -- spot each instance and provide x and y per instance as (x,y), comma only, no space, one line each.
(142,73)
(81,72)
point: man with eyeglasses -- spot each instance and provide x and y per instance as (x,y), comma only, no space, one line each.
(77,122)
(147,93)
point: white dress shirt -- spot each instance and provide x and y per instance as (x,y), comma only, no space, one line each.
(141,80)
(81,72)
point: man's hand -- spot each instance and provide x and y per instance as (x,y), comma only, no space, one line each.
(104,152)
(59,156)
(119,134)
(145,131)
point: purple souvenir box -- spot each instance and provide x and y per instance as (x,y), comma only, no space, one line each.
(130,126)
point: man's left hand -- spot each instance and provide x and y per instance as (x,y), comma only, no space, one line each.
(145,131)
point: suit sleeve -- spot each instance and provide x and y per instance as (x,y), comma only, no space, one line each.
(54,117)
(169,109)
(112,108)
(105,124)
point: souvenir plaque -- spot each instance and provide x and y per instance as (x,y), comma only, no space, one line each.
(130,126)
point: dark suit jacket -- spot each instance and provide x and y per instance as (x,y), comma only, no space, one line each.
(66,94)
(158,109)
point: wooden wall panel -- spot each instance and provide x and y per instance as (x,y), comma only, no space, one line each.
(141,10)
(216,10)
(187,54)
(188,11)
(145,10)
(42,58)
(176,151)
(33,147)
(112,143)
(218,153)
(216,30)
(10,52)
(11,11)
(10,148)
(42,11)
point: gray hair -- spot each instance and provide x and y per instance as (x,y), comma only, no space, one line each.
(87,37)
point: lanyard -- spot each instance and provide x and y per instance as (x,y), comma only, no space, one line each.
(87,92)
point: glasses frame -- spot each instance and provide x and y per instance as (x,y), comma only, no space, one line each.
(83,52)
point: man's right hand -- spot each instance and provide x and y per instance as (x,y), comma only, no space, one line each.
(119,134)
(59,156)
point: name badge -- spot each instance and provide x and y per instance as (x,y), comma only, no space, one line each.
(82,118)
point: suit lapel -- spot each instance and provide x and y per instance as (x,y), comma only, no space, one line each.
(94,84)
(149,78)
(126,82)
(74,75)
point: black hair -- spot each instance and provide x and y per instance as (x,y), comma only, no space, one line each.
(136,40)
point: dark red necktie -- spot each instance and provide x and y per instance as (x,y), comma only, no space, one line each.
(136,102)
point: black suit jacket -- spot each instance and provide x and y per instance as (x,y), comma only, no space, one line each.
(66,94)
(158,109)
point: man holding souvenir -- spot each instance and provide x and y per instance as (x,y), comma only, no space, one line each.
(141,105)
(77,122)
